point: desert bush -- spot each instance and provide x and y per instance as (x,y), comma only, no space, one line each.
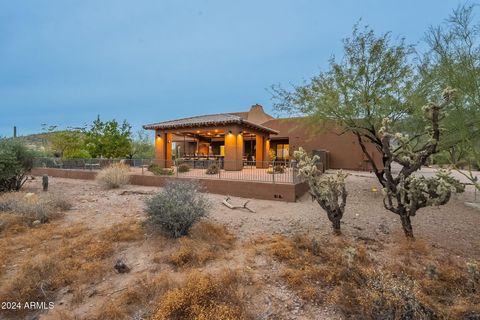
(159,171)
(177,207)
(114,176)
(276,169)
(31,207)
(183,167)
(205,297)
(213,168)
(16,161)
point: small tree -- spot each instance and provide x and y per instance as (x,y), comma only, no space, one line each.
(16,161)
(108,139)
(328,191)
(454,60)
(142,146)
(369,91)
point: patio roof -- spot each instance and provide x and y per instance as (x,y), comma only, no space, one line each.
(206,121)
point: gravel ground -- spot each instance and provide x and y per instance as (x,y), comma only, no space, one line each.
(453,227)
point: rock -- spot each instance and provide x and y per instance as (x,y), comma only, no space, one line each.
(121,267)
(36,223)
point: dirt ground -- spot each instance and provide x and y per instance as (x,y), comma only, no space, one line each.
(451,229)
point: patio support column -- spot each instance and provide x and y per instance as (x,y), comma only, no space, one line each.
(261,153)
(163,149)
(233,149)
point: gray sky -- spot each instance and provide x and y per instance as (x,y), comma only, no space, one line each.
(64,62)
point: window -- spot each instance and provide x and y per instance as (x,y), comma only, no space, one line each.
(282,152)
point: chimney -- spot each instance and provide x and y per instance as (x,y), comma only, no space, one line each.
(257,108)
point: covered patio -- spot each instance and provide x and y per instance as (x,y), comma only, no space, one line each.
(227,139)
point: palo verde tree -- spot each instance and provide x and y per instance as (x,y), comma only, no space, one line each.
(454,61)
(108,139)
(374,84)
(329,191)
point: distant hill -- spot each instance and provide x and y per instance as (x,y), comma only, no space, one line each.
(37,141)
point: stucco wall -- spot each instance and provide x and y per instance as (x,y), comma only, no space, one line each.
(245,189)
(345,151)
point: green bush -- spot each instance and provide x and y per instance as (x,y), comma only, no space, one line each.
(159,171)
(176,208)
(183,167)
(213,168)
(77,154)
(16,161)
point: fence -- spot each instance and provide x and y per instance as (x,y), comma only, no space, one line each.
(271,171)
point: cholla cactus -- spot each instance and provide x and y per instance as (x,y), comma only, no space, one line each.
(328,191)
(406,193)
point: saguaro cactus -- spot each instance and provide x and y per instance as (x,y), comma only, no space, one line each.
(45,182)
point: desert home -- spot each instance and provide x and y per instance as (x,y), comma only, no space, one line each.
(253,138)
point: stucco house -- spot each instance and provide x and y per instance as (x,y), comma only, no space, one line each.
(237,138)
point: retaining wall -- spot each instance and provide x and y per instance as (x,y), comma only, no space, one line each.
(237,188)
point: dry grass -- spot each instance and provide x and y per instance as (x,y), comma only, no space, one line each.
(74,258)
(31,207)
(419,286)
(124,231)
(206,241)
(205,297)
(139,298)
(114,176)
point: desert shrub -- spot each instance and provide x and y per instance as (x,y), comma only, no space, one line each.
(204,297)
(183,167)
(16,161)
(31,207)
(276,169)
(159,171)
(114,176)
(213,168)
(175,209)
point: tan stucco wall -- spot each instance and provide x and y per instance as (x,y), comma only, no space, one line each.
(245,189)
(345,151)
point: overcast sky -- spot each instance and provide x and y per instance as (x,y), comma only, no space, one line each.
(63,62)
